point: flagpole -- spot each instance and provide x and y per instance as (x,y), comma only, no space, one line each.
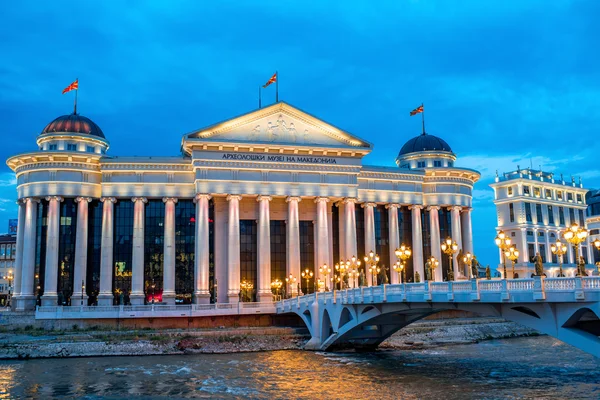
(259,98)
(76,92)
(277,87)
(423,117)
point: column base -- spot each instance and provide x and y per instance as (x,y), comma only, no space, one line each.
(105,299)
(265,297)
(201,298)
(233,299)
(76,300)
(137,299)
(169,298)
(24,303)
(50,300)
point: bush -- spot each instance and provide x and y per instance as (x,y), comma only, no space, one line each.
(28,328)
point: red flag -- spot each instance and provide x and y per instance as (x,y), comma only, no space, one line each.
(72,86)
(272,80)
(417,110)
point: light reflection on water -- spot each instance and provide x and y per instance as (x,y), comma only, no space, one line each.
(517,368)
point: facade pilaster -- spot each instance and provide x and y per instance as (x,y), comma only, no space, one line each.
(524,247)
(201,260)
(169,252)
(322,241)
(456,236)
(436,243)
(370,244)
(26,299)
(233,248)
(264,250)
(350,225)
(394,239)
(467,230)
(417,240)
(51,274)
(293,234)
(105,297)
(79,297)
(548,250)
(137,261)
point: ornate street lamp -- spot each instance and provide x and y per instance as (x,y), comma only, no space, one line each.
(353,264)
(400,269)
(468,260)
(10,279)
(513,255)
(276,284)
(246,287)
(306,274)
(432,264)
(503,242)
(576,235)
(560,249)
(597,243)
(325,270)
(403,253)
(82,290)
(371,260)
(449,248)
(291,281)
(342,270)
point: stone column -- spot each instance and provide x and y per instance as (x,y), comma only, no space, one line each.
(264,250)
(350,234)
(293,235)
(105,297)
(589,247)
(201,260)
(370,244)
(537,245)
(169,252)
(524,246)
(548,251)
(467,230)
(417,241)
(81,250)
(342,232)
(233,249)
(322,241)
(436,241)
(50,296)
(570,254)
(137,260)
(456,236)
(22,203)
(394,239)
(26,299)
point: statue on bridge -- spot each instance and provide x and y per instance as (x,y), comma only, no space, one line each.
(488,272)
(581,266)
(475,267)
(417,277)
(539,265)
(362,279)
(460,259)
(383,276)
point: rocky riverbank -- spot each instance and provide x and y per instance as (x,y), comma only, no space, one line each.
(36,343)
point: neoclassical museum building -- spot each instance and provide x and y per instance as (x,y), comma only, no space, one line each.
(249,201)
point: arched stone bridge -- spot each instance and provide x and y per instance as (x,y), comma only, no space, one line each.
(362,318)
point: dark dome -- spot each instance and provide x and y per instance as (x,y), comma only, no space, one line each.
(73,123)
(424,142)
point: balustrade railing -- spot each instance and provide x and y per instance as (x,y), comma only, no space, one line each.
(591,282)
(438,286)
(490,286)
(463,286)
(519,285)
(559,284)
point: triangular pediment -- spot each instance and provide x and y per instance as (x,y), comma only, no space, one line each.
(279,124)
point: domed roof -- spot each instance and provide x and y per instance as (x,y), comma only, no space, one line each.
(424,142)
(73,123)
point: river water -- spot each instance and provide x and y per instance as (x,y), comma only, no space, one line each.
(535,367)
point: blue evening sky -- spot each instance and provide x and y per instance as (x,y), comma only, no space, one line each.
(504,83)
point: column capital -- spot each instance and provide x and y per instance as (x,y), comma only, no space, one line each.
(434,208)
(415,207)
(263,198)
(81,198)
(110,199)
(169,199)
(57,198)
(202,196)
(467,209)
(393,205)
(350,200)
(454,208)
(237,197)
(293,198)
(370,204)
(142,199)
(321,199)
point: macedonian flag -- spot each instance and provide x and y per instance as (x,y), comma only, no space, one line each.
(417,110)
(272,80)
(72,86)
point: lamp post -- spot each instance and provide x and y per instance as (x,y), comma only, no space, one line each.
(325,270)
(82,291)
(468,260)
(353,264)
(9,277)
(560,249)
(371,260)
(306,274)
(449,248)
(433,263)
(576,235)
(503,242)
(399,268)
(246,287)
(403,253)
(513,255)
(342,269)
(276,284)
(354,276)
(291,281)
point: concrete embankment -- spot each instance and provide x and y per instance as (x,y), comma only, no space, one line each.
(31,342)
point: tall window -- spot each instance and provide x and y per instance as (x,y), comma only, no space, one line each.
(405,234)
(278,251)
(122,250)
(511,211)
(572,216)
(581,220)
(248,257)
(307,253)
(550,215)
(426,236)
(561,216)
(335,231)
(531,251)
(66,250)
(528,212)
(445,230)
(40,249)
(94,251)
(154,245)
(185,239)
(360,233)
(538,213)
(543,252)
(382,240)
(510,190)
